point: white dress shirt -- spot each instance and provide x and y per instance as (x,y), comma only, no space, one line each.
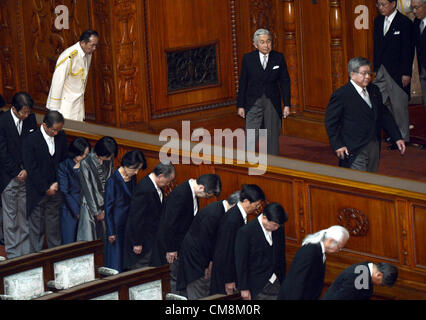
(268,236)
(263,59)
(388,22)
(18,122)
(160,194)
(243,212)
(323,252)
(50,141)
(192,183)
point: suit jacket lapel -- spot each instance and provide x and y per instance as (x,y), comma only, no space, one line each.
(12,125)
(123,184)
(152,186)
(362,102)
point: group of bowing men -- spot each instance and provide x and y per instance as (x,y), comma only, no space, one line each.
(68,194)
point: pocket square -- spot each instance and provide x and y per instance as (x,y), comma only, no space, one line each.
(31,130)
(396,32)
(275,67)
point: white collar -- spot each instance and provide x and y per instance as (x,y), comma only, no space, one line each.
(15,118)
(224,205)
(268,234)
(80,50)
(357,87)
(370,267)
(45,135)
(322,248)
(391,16)
(191,185)
(261,55)
(243,212)
(151,176)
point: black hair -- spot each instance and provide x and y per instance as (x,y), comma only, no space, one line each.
(252,193)
(164,168)
(85,36)
(52,117)
(106,147)
(133,159)
(389,271)
(77,147)
(211,183)
(275,212)
(22,99)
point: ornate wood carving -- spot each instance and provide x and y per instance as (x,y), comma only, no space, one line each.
(191,68)
(7,52)
(354,221)
(261,15)
(337,50)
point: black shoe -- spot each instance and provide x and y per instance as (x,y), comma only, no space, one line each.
(393,146)
(423,147)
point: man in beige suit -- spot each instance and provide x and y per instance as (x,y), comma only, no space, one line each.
(70,77)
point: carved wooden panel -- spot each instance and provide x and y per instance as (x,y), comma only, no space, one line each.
(328,205)
(419,231)
(195,25)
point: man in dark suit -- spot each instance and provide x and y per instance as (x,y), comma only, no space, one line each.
(305,278)
(144,216)
(393,62)
(196,251)
(260,254)
(357,281)
(264,81)
(2,104)
(355,117)
(224,277)
(178,213)
(15,125)
(44,149)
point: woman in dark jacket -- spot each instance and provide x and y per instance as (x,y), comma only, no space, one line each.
(69,185)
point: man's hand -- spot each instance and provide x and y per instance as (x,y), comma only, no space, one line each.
(111,239)
(22,176)
(405,80)
(230,287)
(341,152)
(53,189)
(245,294)
(100,216)
(137,249)
(241,112)
(401,145)
(286,112)
(171,256)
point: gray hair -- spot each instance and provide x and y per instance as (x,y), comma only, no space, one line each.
(260,32)
(356,63)
(165,168)
(234,198)
(337,233)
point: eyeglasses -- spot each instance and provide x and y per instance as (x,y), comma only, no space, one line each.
(365,73)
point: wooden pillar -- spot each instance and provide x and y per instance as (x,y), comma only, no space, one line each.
(337,49)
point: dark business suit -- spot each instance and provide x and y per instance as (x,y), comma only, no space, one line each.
(271,83)
(197,247)
(256,260)
(343,288)
(305,278)
(394,52)
(43,211)
(350,122)
(176,218)
(69,184)
(223,270)
(118,196)
(420,43)
(13,191)
(142,224)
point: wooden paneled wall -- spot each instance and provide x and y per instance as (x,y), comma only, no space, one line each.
(385,224)
(146,46)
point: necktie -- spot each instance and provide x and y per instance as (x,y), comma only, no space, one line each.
(386,26)
(264,62)
(19,126)
(422,26)
(160,194)
(365,96)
